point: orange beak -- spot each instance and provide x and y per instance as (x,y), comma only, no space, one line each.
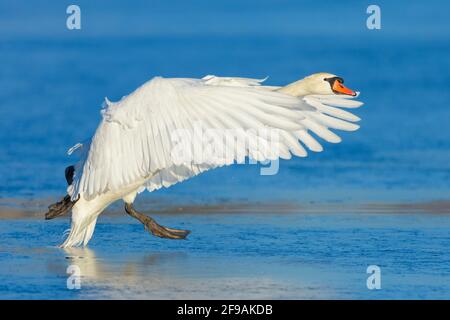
(340,88)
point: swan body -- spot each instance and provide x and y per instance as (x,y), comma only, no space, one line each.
(133,147)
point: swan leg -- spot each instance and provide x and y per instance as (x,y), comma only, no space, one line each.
(156,229)
(59,208)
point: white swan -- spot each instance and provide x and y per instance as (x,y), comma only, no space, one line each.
(134,146)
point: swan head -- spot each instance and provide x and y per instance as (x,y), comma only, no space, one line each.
(325,83)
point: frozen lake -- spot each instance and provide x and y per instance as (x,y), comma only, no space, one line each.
(288,255)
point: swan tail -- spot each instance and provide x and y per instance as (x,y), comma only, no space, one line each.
(81,229)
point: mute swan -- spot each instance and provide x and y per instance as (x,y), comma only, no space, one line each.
(132,149)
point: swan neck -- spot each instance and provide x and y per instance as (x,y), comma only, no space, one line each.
(296,89)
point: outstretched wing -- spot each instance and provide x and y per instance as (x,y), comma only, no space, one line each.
(171,129)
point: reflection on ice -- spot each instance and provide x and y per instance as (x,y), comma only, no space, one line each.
(176,276)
